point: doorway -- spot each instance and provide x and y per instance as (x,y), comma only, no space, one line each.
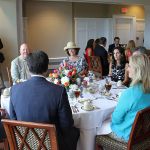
(125,28)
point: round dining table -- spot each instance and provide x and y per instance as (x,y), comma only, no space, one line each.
(89,122)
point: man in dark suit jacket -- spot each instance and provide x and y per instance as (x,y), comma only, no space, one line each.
(112,46)
(38,100)
(102,53)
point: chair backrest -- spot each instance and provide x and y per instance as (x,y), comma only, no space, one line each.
(30,136)
(4,139)
(9,77)
(2,113)
(95,65)
(141,129)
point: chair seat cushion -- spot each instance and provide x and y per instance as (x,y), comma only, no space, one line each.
(110,143)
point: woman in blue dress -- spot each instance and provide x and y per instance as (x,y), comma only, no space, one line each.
(133,99)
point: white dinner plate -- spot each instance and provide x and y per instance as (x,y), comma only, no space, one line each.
(82,100)
(88,109)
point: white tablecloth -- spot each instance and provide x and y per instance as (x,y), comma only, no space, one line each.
(89,122)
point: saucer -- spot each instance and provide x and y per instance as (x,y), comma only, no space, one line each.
(107,94)
(5,95)
(82,100)
(122,87)
(88,109)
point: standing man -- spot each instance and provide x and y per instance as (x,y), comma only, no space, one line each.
(102,53)
(116,44)
(38,100)
(19,68)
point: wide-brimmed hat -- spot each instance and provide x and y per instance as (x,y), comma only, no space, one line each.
(71,45)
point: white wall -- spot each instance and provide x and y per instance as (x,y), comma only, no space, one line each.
(8,31)
(147,27)
(49,28)
(92,28)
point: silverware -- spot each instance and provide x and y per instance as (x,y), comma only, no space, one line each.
(119,87)
(74,109)
(111,98)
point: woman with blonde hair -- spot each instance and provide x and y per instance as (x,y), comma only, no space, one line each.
(133,99)
(129,49)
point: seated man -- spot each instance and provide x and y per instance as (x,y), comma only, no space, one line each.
(19,68)
(38,100)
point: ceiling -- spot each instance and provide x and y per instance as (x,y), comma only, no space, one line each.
(135,2)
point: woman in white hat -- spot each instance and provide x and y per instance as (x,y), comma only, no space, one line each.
(73,59)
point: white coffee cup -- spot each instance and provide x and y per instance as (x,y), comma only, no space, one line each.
(119,94)
(119,83)
(87,105)
(6,92)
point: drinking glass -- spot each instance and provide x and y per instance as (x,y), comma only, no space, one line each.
(108,87)
(101,88)
(108,79)
(77,93)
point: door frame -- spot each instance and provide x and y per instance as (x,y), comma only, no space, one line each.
(133,24)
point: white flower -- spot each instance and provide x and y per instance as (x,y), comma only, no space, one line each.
(64,80)
(73,87)
(86,79)
(56,81)
(78,80)
(66,72)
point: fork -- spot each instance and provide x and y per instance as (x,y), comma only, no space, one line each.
(74,109)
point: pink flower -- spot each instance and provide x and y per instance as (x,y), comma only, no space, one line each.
(55,71)
(70,67)
(66,84)
(60,68)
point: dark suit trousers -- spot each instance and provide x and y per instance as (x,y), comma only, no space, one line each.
(68,139)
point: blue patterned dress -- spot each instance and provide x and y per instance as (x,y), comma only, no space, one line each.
(80,64)
(118,72)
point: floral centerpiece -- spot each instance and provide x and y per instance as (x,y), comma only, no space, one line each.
(65,75)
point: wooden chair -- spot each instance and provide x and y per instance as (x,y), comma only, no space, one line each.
(4,141)
(9,76)
(95,66)
(30,136)
(139,137)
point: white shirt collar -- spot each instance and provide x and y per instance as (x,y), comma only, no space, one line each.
(102,45)
(36,75)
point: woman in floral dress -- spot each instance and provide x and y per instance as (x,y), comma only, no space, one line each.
(74,60)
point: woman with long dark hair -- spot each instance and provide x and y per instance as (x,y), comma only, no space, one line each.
(89,50)
(117,68)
